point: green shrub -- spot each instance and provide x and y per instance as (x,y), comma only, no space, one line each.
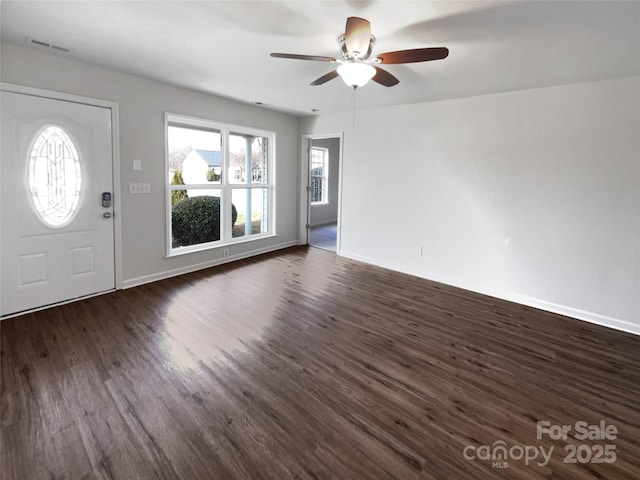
(177,195)
(196,220)
(212,176)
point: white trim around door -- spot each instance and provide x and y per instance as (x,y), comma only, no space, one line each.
(304,201)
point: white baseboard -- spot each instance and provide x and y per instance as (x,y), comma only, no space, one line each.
(576,313)
(591,317)
(134,282)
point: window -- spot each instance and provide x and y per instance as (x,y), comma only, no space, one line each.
(219,184)
(319,175)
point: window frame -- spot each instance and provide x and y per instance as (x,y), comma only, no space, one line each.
(324,176)
(225,186)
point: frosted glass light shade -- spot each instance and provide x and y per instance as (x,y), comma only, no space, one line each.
(356,74)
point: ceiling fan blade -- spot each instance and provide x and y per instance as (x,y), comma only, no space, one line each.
(294,56)
(414,55)
(325,78)
(384,78)
(357,36)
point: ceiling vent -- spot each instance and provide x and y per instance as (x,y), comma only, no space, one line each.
(44,45)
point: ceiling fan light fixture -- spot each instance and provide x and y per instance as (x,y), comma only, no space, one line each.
(356,74)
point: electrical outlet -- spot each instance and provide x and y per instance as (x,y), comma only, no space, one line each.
(225,252)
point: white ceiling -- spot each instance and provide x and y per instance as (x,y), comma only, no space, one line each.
(223,47)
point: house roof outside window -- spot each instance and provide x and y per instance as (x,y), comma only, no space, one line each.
(211,157)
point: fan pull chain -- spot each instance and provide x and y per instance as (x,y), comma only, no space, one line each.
(353,124)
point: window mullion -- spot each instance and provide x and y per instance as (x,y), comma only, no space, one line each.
(225,233)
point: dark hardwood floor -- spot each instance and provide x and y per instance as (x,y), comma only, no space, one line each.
(305,365)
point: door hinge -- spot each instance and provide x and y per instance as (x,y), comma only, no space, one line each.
(307,226)
(308,189)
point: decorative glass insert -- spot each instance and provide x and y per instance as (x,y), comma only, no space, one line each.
(55,177)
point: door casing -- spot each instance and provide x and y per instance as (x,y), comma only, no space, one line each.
(305,203)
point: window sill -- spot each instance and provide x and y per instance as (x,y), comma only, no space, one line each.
(216,246)
(313,204)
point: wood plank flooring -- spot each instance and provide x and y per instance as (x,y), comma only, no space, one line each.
(304,365)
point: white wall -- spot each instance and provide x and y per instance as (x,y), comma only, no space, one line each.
(142,105)
(532,196)
(328,213)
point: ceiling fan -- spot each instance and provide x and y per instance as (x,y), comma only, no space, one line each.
(357,66)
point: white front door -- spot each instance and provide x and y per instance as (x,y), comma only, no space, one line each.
(57,237)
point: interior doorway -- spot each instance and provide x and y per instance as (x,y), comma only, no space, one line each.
(324,158)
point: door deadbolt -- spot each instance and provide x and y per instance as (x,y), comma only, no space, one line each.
(106,199)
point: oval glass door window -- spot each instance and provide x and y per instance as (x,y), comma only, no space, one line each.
(55,177)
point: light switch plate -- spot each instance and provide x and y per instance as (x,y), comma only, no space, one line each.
(137,165)
(139,188)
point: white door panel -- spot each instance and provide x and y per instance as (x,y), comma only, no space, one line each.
(43,263)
